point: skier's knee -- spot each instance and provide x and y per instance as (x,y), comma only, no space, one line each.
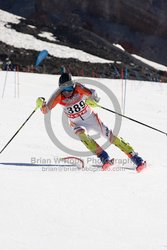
(112,137)
(88,141)
(79,130)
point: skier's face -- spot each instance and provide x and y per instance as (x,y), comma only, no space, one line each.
(68,91)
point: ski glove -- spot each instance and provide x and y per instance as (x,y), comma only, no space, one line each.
(92,103)
(40,102)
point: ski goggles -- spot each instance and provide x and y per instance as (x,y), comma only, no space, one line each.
(68,89)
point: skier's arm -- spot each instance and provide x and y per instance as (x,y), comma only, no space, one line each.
(44,108)
(83,90)
(52,102)
(90,93)
(92,97)
(93,100)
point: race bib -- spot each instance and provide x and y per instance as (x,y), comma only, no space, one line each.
(76,108)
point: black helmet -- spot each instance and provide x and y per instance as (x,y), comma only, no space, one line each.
(65,78)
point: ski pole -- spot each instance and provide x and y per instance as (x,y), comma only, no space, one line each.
(94,104)
(7,69)
(131,119)
(37,106)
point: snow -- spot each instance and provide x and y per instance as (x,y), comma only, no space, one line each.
(146,61)
(151,63)
(6,17)
(65,209)
(20,40)
(31,26)
(119,46)
(48,35)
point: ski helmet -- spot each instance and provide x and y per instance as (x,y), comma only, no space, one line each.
(65,78)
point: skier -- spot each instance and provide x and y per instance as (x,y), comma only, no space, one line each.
(77,102)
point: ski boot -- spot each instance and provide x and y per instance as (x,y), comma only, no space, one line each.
(129,151)
(106,161)
(138,161)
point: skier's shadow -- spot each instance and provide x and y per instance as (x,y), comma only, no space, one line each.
(24,164)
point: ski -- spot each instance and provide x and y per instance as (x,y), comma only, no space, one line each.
(141,167)
(108,164)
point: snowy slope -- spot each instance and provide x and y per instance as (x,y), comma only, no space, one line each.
(20,40)
(146,61)
(153,64)
(60,209)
